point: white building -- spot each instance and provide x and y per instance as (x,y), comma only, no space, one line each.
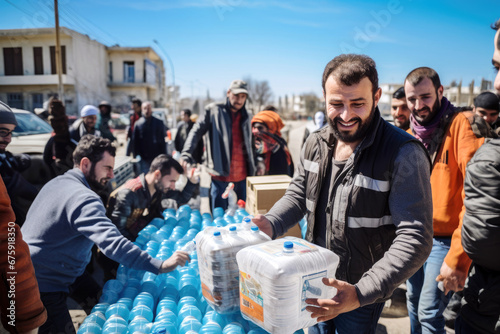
(91,71)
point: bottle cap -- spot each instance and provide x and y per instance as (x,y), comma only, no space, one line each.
(288,245)
(256,229)
(216,233)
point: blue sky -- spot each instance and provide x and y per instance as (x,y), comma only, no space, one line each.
(288,43)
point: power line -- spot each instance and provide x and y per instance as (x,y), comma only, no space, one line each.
(19,8)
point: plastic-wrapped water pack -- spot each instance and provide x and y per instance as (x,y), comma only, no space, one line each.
(216,249)
(276,278)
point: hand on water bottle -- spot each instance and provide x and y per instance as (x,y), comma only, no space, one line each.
(344,301)
(179,258)
(194,175)
(263,224)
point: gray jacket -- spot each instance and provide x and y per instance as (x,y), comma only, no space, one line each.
(215,121)
(380,217)
(480,239)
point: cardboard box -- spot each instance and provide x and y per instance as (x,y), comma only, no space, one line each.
(263,192)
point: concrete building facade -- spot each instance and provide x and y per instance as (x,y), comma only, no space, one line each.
(91,71)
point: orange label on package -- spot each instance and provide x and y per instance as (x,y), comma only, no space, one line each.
(251,301)
(206,293)
(251,308)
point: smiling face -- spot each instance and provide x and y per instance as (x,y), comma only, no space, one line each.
(424,100)
(166,182)
(98,174)
(90,121)
(400,113)
(350,109)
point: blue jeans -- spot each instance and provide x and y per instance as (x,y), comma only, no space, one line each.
(218,187)
(425,301)
(362,320)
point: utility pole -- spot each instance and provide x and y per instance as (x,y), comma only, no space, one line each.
(58,55)
(174,116)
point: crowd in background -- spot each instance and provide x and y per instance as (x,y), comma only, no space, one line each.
(416,201)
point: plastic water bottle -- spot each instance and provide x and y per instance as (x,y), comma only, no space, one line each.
(247,223)
(210,327)
(288,248)
(232,199)
(189,247)
(275,299)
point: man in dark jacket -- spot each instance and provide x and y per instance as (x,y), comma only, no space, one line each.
(21,192)
(103,120)
(480,311)
(148,137)
(133,205)
(364,185)
(229,152)
(183,129)
(86,124)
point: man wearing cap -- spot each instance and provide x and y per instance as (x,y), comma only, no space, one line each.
(103,120)
(229,154)
(86,124)
(487,106)
(21,192)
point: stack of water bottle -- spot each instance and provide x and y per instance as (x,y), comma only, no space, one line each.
(217,247)
(277,277)
(142,302)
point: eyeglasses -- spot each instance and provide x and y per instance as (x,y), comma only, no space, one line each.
(5,133)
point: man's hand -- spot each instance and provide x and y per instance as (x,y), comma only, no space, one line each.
(453,279)
(264,224)
(344,301)
(184,163)
(194,175)
(179,258)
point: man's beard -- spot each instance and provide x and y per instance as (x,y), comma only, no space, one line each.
(402,125)
(359,134)
(159,187)
(96,185)
(432,113)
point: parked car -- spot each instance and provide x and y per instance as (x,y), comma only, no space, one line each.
(30,135)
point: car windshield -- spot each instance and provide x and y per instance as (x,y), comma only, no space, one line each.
(28,124)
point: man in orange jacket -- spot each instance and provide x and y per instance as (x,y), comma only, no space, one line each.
(451,142)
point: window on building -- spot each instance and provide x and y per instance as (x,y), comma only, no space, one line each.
(128,71)
(37,100)
(110,71)
(15,100)
(38,59)
(53,59)
(13,61)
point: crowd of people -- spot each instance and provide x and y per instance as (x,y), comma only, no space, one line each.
(417,201)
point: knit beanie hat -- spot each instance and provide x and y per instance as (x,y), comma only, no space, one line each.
(487,100)
(88,110)
(6,115)
(271,119)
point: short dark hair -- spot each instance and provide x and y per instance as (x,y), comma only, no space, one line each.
(420,73)
(496,26)
(399,93)
(350,69)
(93,148)
(164,163)
(137,101)
(187,112)
(271,108)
